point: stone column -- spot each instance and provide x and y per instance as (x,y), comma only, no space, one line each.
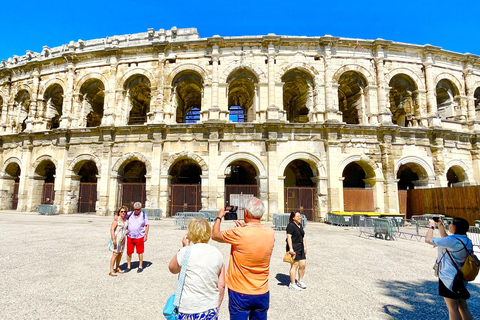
(432,114)
(383,105)
(335,180)
(110,111)
(318,114)
(68,108)
(331,89)
(469,90)
(213,159)
(272,172)
(388,166)
(272,109)
(157,102)
(157,147)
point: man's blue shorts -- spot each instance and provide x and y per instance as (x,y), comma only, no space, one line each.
(247,306)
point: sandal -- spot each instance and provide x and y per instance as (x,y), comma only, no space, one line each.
(119,270)
(113,274)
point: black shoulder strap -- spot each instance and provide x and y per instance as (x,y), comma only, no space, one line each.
(454,263)
(463,245)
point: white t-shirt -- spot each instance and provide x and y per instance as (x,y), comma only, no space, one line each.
(200,292)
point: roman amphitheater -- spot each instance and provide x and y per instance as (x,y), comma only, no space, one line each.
(184,123)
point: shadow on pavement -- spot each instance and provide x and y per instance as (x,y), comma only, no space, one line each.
(420,301)
(146,264)
(283,279)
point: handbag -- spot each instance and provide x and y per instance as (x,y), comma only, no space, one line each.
(470,266)
(170,311)
(289,258)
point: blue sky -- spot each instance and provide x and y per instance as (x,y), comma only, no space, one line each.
(29,25)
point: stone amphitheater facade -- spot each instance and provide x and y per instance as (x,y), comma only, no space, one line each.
(167,107)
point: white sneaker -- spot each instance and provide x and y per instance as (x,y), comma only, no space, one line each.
(301,285)
(293,286)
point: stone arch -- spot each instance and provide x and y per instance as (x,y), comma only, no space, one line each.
(174,158)
(122,80)
(355,68)
(187,95)
(429,173)
(298,94)
(403,99)
(466,171)
(51,82)
(128,158)
(415,77)
(78,161)
(90,76)
(138,96)
(458,84)
(368,165)
(9,161)
(296,65)
(186,67)
(352,102)
(318,167)
(20,87)
(244,65)
(39,160)
(250,158)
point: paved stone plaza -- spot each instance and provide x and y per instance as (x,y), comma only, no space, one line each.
(56,267)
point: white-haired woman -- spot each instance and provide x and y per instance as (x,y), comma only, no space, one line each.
(204,284)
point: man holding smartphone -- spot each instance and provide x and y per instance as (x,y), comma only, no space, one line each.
(249,267)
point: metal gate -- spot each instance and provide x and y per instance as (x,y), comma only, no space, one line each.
(185,198)
(15,195)
(131,192)
(402,201)
(301,199)
(87,197)
(358,199)
(239,189)
(48,193)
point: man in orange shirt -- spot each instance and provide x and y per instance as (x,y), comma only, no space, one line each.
(249,267)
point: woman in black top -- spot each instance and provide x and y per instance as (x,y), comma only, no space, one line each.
(297,246)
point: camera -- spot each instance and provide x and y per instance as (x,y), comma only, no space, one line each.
(231,212)
(435,219)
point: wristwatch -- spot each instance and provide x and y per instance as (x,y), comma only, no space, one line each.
(432,227)
(218,218)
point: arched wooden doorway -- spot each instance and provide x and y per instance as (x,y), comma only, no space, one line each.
(46,170)
(185,187)
(409,175)
(357,194)
(13,177)
(240,184)
(132,184)
(87,198)
(300,190)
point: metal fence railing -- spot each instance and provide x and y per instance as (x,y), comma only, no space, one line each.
(382,228)
(280,221)
(181,219)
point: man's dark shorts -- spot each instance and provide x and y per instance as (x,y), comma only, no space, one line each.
(246,306)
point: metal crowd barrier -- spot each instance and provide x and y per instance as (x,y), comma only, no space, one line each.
(280,221)
(209,214)
(474,235)
(181,219)
(155,214)
(340,220)
(47,209)
(382,228)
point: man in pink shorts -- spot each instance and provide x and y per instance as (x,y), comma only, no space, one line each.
(138,226)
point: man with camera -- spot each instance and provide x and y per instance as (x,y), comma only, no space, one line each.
(249,267)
